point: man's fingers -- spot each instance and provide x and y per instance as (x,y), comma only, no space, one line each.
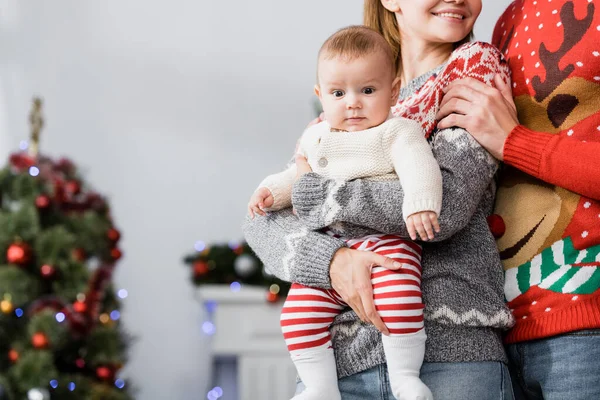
(453,120)
(454,106)
(506,92)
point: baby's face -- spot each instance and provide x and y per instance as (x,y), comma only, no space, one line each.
(356,94)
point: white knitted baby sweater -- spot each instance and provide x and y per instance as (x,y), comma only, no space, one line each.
(396,149)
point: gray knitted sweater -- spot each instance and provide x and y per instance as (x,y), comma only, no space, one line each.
(462,275)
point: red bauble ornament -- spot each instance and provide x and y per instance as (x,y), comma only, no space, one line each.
(113,235)
(39,340)
(13,355)
(73,187)
(200,268)
(115,253)
(65,165)
(80,363)
(272,297)
(80,306)
(18,253)
(497,226)
(78,254)
(47,271)
(42,202)
(21,161)
(105,373)
(96,202)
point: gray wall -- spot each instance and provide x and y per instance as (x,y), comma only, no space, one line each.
(175,110)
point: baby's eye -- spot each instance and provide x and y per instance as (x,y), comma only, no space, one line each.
(368,90)
(338,93)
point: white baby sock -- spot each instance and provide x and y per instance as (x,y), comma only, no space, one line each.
(404,355)
(318,372)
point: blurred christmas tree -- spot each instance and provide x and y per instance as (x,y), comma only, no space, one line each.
(234,264)
(60,336)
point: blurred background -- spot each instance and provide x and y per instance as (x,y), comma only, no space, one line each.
(175,110)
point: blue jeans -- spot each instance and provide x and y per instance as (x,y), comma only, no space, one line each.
(557,368)
(447,381)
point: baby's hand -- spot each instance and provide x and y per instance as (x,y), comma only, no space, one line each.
(424,222)
(260,200)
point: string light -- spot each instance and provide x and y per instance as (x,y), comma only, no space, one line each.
(211,306)
(208,328)
(18,312)
(199,246)
(235,286)
(23,144)
(123,293)
(115,315)
(215,393)
(60,317)
(54,383)
(34,171)
(120,383)
(71,386)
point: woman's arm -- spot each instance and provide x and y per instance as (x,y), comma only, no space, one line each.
(295,254)
(291,251)
(467,171)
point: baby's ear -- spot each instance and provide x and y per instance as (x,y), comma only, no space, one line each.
(318,91)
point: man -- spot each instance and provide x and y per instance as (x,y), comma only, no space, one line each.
(547,215)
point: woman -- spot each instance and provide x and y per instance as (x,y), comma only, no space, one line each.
(462,275)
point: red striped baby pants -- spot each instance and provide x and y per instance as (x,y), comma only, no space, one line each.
(308,312)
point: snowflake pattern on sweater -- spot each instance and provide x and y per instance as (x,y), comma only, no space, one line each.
(476,60)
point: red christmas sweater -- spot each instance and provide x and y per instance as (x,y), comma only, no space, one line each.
(549,194)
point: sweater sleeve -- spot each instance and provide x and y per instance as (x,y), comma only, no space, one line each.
(467,172)
(417,169)
(556,159)
(289,250)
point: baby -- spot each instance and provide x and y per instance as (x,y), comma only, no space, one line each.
(357,86)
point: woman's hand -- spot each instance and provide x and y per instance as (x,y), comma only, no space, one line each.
(488,113)
(350,274)
(315,121)
(302,166)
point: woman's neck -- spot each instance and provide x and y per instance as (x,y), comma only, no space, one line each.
(418,58)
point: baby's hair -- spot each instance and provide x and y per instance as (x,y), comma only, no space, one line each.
(354,42)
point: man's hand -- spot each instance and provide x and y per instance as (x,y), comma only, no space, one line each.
(488,113)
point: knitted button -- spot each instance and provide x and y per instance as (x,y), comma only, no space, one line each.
(322,162)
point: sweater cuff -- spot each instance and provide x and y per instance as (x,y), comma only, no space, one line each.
(308,193)
(318,257)
(524,148)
